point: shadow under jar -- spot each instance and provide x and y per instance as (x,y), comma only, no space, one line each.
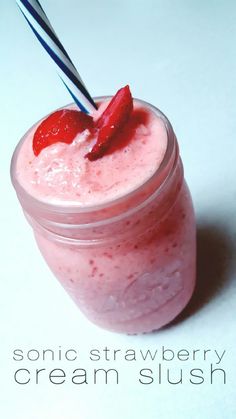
(129,264)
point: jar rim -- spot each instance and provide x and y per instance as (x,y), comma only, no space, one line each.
(71,208)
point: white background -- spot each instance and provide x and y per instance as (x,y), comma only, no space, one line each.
(180,56)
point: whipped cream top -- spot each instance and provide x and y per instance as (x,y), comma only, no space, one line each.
(61,173)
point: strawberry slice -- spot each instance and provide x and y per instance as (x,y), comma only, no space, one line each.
(111,121)
(60,126)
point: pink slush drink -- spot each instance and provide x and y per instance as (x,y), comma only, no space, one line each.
(118,232)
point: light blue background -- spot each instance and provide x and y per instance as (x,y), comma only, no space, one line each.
(180,56)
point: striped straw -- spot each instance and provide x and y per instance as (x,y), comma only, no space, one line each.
(43,30)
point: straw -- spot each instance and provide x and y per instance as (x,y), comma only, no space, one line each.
(43,30)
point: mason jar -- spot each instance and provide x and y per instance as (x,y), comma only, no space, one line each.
(129,264)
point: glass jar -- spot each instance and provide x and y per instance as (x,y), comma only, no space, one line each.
(129,264)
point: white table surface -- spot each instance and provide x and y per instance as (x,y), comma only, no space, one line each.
(179,55)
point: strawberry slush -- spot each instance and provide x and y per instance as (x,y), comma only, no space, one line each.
(61,173)
(117,231)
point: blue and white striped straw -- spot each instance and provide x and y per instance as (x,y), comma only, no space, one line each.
(42,28)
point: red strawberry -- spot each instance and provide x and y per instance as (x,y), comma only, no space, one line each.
(111,121)
(63,126)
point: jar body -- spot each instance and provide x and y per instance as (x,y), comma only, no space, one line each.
(129,264)
(135,283)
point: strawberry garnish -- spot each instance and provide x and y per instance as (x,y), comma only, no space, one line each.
(111,122)
(60,126)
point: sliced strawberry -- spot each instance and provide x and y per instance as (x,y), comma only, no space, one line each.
(60,126)
(111,121)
